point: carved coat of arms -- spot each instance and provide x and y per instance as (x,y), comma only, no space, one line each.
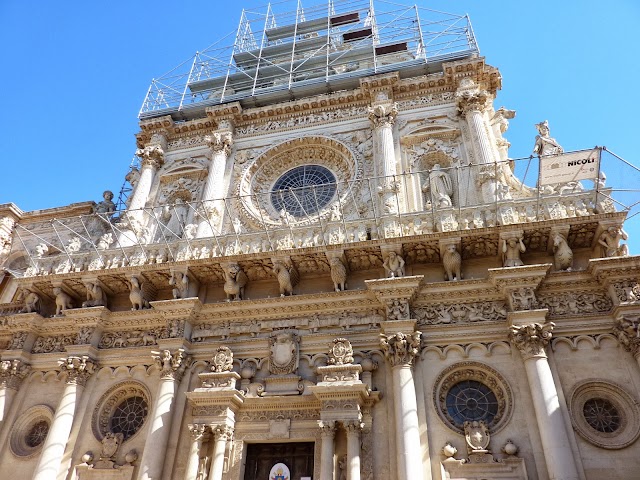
(477,435)
(283,353)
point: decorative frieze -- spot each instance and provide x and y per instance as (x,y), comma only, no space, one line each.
(442,314)
(575,303)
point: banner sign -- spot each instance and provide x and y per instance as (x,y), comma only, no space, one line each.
(570,167)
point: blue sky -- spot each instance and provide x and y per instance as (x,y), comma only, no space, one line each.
(75,75)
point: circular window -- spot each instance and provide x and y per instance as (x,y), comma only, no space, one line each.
(471,391)
(122,409)
(30,431)
(605,414)
(129,416)
(471,400)
(304,190)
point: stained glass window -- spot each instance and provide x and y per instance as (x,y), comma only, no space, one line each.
(471,400)
(304,190)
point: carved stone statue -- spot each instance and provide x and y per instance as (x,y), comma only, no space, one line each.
(180,283)
(95,295)
(235,281)
(136,295)
(106,206)
(31,301)
(545,145)
(394,265)
(175,216)
(610,242)
(338,274)
(452,261)
(511,250)
(63,300)
(105,241)
(562,253)
(287,275)
(439,187)
(41,250)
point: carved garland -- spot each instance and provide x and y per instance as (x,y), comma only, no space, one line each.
(479,372)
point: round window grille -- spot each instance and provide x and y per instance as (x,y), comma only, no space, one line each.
(472,391)
(128,416)
(605,414)
(304,190)
(601,415)
(37,434)
(471,401)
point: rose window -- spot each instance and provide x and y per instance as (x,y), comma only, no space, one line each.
(128,416)
(304,190)
(601,415)
(471,400)
(37,434)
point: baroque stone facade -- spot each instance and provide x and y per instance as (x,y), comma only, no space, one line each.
(348,285)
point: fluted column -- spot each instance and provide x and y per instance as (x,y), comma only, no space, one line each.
(172,366)
(382,119)
(531,340)
(220,144)
(328,432)
(198,433)
(78,370)
(12,372)
(222,434)
(400,350)
(353,429)
(152,158)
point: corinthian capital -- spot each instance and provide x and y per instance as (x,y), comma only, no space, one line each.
(400,349)
(531,339)
(470,98)
(628,333)
(222,432)
(220,142)
(12,372)
(172,365)
(198,431)
(78,369)
(151,155)
(383,115)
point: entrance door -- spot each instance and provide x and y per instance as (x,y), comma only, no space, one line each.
(262,456)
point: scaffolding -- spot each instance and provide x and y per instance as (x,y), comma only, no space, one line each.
(278,55)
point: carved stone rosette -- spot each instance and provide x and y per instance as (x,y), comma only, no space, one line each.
(341,352)
(12,372)
(531,339)
(222,361)
(400,348)
(172,365)
(78,369)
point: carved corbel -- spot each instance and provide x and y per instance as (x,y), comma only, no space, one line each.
(184,285)
(450,249)
(339,269)
(64,297)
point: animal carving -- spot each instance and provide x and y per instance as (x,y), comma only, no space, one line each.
(287,275)
(562,253)
(136,296)
(338,274)
(235,281)
(31,301)
(63,300)
(452,262)
(180,283)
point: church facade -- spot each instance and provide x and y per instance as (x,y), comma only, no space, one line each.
(327,268)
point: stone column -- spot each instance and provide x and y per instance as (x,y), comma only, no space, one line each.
(12,372)
(78,369)
(382,119)
(531,339)
(152,158)
(220,144)
(198,432)
(326,456)
(353,449)
(400,350)
(221,434)
(172,366)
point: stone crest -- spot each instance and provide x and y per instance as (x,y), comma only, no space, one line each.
(222,361)
(477,436)
(283,353)
(341,352)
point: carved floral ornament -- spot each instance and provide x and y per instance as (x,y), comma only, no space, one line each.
(262,173)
